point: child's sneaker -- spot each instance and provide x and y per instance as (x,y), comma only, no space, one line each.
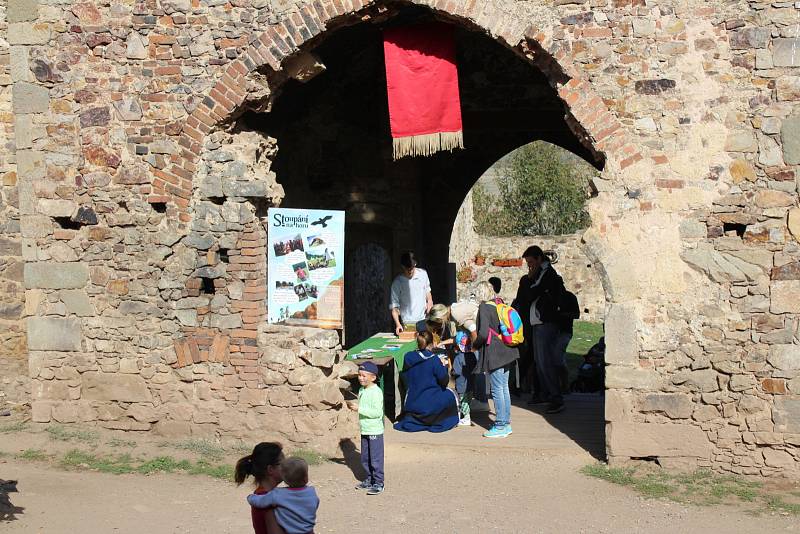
(465,421)
(375,489)
(365,484)
(497,432)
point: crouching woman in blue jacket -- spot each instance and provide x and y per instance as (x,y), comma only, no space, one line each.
(429,404)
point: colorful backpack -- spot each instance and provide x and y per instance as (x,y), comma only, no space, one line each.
(510,325)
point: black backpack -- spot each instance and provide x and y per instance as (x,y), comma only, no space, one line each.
(568,306)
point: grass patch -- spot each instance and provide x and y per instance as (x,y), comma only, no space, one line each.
(776,504)
(701,487)
(311,457)
(201,447)
(59,433)
(77,459)
(33,455)
(117,443)
(124,463)
(241,447)
(224,472)
(19,426)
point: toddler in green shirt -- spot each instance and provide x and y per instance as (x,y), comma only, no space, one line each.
(370,419)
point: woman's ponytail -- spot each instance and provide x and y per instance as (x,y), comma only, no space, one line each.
(264,455)
(244,467)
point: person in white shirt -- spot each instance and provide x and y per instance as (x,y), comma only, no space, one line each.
(411,294)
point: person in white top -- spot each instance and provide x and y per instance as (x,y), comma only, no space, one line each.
(411,294)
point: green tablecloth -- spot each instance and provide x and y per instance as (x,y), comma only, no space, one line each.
(376,343)
(389,379)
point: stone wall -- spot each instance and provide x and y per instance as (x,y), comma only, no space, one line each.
(140,191)
(500,257)
(14,387)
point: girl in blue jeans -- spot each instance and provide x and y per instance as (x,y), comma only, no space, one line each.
(496,359)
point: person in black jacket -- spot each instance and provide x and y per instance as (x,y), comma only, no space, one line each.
(526,364)
(537,301)
(568,311)
(496,359)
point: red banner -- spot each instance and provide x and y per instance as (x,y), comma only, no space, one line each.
(422,85)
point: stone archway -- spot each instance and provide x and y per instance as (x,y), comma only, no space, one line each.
(253,82)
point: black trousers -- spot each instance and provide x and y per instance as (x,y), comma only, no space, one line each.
(372,457)
(527,364)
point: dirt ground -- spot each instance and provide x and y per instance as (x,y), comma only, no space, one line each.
(430,488)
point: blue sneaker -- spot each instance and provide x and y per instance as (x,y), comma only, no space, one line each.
(364,485)
(498,432)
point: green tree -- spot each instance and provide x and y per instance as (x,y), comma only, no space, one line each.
(542,191)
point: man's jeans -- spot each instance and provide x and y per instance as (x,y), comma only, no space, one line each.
(548,360)
(562,342)
(501,396)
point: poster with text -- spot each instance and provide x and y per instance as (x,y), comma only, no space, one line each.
(305,254)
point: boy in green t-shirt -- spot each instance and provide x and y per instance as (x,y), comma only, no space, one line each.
(370,419)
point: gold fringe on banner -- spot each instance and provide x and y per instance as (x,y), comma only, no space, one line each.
(426,145)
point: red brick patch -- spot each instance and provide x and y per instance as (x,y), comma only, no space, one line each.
(507,262)
(669,184)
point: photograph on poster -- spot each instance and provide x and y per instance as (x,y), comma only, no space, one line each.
(325,260)
(287,246)
(301,292)
(315,241)
(304,291)
(301,271)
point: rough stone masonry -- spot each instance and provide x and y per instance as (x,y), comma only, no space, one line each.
(132,261)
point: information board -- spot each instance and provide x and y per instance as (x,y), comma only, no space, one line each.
(305,257)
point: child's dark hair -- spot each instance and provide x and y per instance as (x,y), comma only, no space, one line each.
(424,339)
(497,284)
(264,455)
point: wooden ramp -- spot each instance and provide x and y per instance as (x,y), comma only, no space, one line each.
(579,429)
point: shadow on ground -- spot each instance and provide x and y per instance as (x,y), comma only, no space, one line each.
(8,512)
(582,421)
(351,457)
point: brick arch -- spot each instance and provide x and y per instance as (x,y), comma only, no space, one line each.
(589,114)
